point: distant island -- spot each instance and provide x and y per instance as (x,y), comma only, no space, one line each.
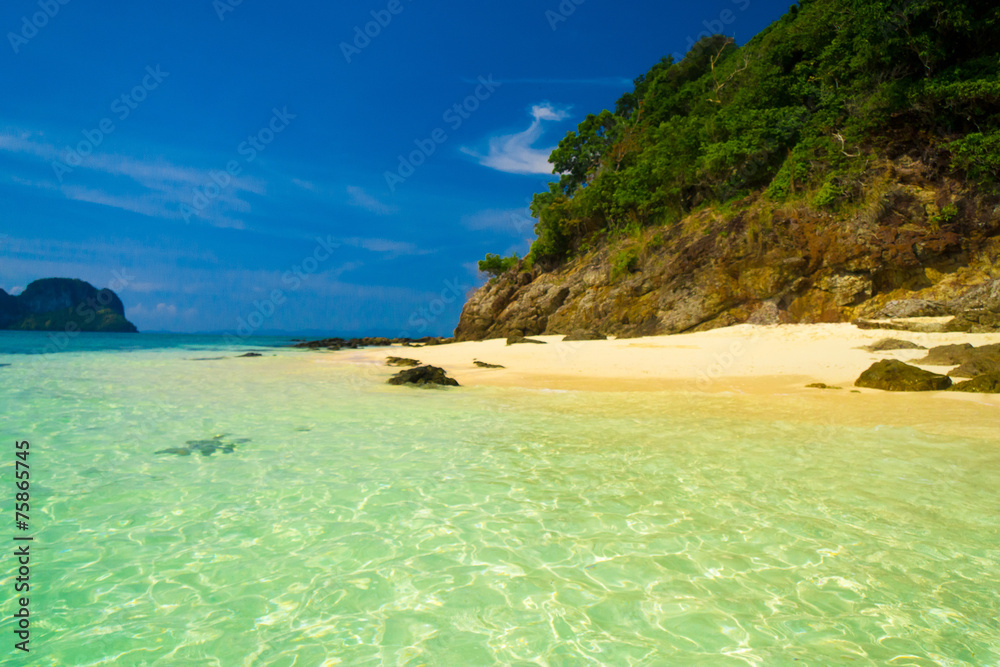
(64,304)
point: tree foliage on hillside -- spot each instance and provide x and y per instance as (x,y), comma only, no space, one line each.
(796,109)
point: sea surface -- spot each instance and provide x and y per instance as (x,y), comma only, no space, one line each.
(355,523)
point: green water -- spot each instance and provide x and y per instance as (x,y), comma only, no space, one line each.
(364,524)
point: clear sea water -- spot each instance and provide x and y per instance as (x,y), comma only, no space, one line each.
(361,524)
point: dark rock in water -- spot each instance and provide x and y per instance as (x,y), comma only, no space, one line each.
(892,375)
(913,308)
(401,361)
(887,344)
(820,385)
(378,341)
(422,376)
(483,364)
(584,335)
(208,358)
(4,365)
(206,447)
(250,354)
(948,355)
(988,383)
(518,340)
(179,451)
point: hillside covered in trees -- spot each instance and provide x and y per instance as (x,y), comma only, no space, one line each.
(846,155)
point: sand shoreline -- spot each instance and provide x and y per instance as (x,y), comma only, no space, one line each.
(743,359)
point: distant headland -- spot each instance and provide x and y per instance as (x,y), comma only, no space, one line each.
(64,304)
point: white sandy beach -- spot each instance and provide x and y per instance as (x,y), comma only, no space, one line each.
(745,358)
(767,366)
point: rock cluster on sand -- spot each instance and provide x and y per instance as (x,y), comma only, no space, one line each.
(483,364)
(423,376)
(892,375)
(982,364)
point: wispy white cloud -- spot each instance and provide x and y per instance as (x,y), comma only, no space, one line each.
(361,199)
(385,246)
(515,153)
(504,220)
(155,188)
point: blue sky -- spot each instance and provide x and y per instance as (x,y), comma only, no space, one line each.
(249,166)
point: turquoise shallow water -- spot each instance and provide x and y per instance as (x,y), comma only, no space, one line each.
(364,524)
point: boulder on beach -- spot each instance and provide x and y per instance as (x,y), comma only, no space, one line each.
(519,340)
(483,364)
(892,375)
(980,365)
(401,361)
(423,376)
(887,344)
(584,335)
(984,384)
(947,355)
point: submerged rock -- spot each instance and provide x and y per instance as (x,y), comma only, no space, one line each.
(984,384)
(250,354)
(423,376)
(401,361)
(892,375)
(887,344)
(205,447)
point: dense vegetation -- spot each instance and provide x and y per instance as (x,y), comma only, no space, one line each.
(797,113)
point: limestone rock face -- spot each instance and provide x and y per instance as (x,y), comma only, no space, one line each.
(767,266)
(892,375)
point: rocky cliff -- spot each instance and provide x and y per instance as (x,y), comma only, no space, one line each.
(63,304)
(919,237)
